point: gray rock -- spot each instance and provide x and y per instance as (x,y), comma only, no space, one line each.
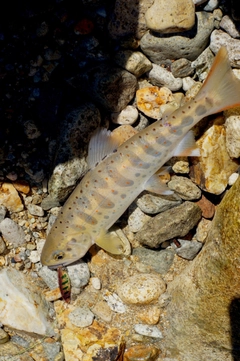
(228,25)
(188,249)
(175,222)
(79,274)
(160,261)
(12,232)
(188,44)
(35,210)
(3,212)
(49,276)
(152,204)
(162,77)
(185,188)
(81,317)
(148,330)
(49,202)
(181,68)
(203,64)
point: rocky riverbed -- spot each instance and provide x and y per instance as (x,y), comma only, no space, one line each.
(67,69)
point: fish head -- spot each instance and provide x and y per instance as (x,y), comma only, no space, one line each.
(66,251)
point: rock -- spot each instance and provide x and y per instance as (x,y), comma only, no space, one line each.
(159,261)
(228,25)
(220,38)
(110,87)
(211,5)
(203,64)
(81,317)
(9,198)
(103,311)
(35,210)
(141,289)
(128,19)
(170,17)
(147,330)
(215,166)
(79,274)
(49,202)
(128,115)
(49,276)
(3,212)
(232,179)
(181,166)
(188,44)
(175,222)
(150,316)
(22,304)
(207,207)
(133,61)
(162,77)
(70,163)
(4,337)
(141,352)
(2,246)
(202,230)
(114,302)
(233,132)
(181,68)
(153,204)
(137,219)
(150,99)
(188,249)
(12,232)
(185,188)
(21,186)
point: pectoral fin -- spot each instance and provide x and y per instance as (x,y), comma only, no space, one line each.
(110,242)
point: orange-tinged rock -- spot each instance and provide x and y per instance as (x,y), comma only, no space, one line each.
(141,352)
(207,207)
(21,186)
(150,99)
(9,198)
(150,316)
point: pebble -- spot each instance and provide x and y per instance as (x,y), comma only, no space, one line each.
(22,186)
(81,317)
(159,261)
(96,283)
(49,202)
(9,198)
(136,219)
(181,167)
(141,352)
(148,330)
(150,99)
(168,18)
(202,230)
(185,188)
(102,310)
(229,26)
(49,276)
(35,210)
(188,249)
(232,179)
(207,207)
(182,68)
(220,38)
(133,61)
(128,115)
(23,305)
(150,316)
(203,64)
(175,222)
(2,246)
(161,77)
(189,44)
(141,289)
(12,232)
(114,302)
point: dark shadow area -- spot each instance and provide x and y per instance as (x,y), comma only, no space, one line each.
(234,314)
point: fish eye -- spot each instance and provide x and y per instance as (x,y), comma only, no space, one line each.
(58,255)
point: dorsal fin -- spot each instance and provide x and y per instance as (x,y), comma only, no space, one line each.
(101,145)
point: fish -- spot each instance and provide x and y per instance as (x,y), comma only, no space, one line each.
(119,173)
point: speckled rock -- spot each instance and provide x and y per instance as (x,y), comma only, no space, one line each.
(215,166)
(229,26)
(81,317)
(170,17)
(150,99)
(12,232)
(35,210)
(70,161)
(137,219)
(141,289)
(181,167)
(233,132)
(175,222)
(185,188)
(181,68)
(220,38)
(188,249)
(152,204)
(128,115)
(161,77)
(203,64)
(22,304)
(150,331)
(188,44)
(133,61)
(9,198)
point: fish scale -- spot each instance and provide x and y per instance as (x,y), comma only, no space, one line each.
(113,183)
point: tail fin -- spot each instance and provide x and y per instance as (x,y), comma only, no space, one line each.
(221,89)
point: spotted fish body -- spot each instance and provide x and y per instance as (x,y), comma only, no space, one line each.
(112,185)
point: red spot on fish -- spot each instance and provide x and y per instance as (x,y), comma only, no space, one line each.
(83,27)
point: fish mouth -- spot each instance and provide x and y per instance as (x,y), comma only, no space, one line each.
(63,264)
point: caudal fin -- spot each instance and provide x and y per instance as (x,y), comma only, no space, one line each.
(221,89)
